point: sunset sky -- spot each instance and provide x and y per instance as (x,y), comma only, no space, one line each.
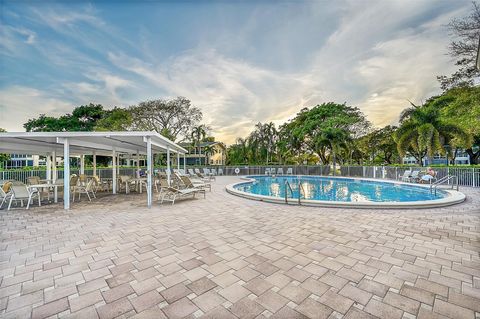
(241,62)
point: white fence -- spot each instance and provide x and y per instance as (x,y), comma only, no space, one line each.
(466,176)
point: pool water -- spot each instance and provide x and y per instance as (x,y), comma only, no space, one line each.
(337,189)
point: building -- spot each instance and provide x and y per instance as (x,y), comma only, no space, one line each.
(206,153)
(17,161)
(461,158)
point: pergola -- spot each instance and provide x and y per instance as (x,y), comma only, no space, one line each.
(53,144)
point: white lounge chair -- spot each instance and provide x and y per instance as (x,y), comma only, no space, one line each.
(267,171)
(406,176)
(191,172)
(414,177)
(289,171)
(214,171)
(193,183)
(280,171)
(171,194)
(21,193)
(220,171)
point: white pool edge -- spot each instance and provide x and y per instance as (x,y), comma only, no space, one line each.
(453,197)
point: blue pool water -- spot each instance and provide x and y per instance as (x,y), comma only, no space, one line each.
(337,189)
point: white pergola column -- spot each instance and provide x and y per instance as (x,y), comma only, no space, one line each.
(49,166)
(114,172)
(138,164)
(94,163)
(178,160)
(168,165)
(66,174)
(82,164)
(118,164)
(54,166)
(185,163)
(149,172)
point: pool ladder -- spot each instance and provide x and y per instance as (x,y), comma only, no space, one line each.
(444,180)
(289,187)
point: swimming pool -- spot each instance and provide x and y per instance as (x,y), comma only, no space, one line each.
(343,192)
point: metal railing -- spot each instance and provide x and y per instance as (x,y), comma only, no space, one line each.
(287,187)
(467,176)
(444,180)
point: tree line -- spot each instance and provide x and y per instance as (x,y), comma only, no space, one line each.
(332,132)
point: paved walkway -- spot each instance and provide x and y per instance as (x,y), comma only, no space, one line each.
(228,257)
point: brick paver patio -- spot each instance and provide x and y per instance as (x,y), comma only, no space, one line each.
(229,257)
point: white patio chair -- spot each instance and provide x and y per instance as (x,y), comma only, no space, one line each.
(280,171)
(191,172)
(267,171)
(220,171)
(414,177)
(21,192)
(289,171)
(84,189)
(406,176)
(5,193)
(214,171)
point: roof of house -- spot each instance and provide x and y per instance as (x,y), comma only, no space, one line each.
(103,143)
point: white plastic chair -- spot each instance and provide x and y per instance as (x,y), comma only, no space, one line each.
(84,189)
(5,192)
(21,193)
(289,171)
(220,171)
(280,171)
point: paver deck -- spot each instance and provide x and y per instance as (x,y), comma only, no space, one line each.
(229,257)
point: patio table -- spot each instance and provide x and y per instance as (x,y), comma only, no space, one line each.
(49,185)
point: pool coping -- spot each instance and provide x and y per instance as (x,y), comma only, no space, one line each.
(453,197)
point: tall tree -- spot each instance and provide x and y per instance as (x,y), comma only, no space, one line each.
(198,134)
(466,33)
(117,119)
(424,132)
(83,118)
(172,118)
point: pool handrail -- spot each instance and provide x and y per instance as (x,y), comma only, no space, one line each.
(286,191)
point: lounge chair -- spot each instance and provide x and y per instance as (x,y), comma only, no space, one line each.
(207,172)
(171,194)
(191,172)
(214,171)
(100,185)
(414,177)
(267,171)
(21,192)
(406,176)
(280,171)
(192,183)
(289,171)
(220,171)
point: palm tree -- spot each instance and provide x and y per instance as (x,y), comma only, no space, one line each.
(208,150)
(334,139)
(198,134)
(424,131)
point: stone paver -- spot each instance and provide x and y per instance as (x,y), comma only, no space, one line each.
(229,257)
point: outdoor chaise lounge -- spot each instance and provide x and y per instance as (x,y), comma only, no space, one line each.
(171,194)
(289,171)
(414,177)
(192,183)
(280,171)
(406,176)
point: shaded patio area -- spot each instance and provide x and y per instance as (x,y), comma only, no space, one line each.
(229,257)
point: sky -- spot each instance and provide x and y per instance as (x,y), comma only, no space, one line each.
(240,62)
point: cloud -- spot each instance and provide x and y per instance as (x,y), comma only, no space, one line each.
(17,102)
